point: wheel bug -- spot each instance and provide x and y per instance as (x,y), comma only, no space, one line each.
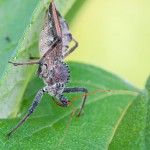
(54,41)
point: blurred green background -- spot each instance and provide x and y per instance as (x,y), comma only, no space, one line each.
(114,35)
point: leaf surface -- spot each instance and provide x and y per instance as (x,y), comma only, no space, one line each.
(48,125)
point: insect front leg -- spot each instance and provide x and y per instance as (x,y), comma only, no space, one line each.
(31,110)
(77,89)
(72,49)
(24,63)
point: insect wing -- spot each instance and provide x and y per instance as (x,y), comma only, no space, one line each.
(50,30)
(54,26)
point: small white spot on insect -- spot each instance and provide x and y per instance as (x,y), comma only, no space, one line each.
(51,38)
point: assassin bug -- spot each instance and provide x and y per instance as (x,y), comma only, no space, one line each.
(54,41)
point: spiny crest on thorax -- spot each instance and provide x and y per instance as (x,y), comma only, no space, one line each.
(61,73)
(57,73)
(49,34)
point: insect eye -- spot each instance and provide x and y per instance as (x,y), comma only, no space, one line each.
(45,65)
(45,89)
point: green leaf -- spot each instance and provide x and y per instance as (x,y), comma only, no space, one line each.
(130,131)
(15,16)
(48,125)
(147,129)
(133,131)
(148,85)
(12,89)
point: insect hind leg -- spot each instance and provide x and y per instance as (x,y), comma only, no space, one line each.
(71,49)
(77,89)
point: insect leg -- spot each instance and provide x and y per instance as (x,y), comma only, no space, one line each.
(54,44)
(57,103)
(24,63)
(61,105)
(77,89)
(32,108)
(72,49)
(63,99)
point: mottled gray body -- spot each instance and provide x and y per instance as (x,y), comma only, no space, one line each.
(52,69)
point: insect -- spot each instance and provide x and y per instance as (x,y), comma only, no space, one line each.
(54,42)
